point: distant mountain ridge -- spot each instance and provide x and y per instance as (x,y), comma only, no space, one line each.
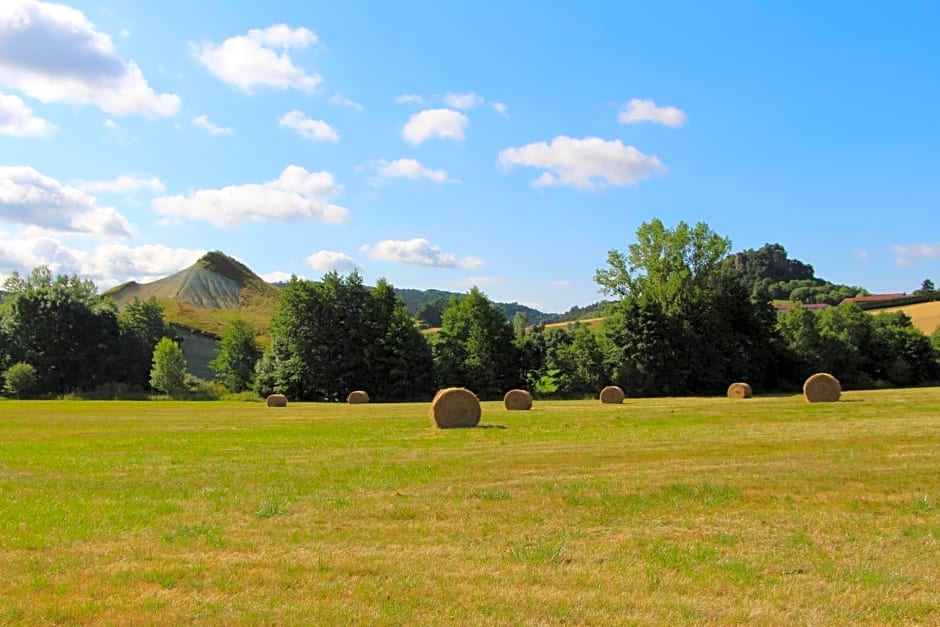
(208,295)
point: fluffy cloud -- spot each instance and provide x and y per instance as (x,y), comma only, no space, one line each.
(107,265)
(332,260)
(126,184)
(579,162)
(307,128)
(253,59)
(908,254)
(463,101)
(52,52)
(294,196)
(30,198)
(339,100)
(500,108)
(410,169)
(203,121)
(429,123)
(409,99)
(419,251)
(637,110)
(17,119)
(278,276)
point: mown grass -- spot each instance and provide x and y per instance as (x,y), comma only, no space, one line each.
(762,511)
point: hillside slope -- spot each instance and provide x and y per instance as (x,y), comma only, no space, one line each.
(925,316)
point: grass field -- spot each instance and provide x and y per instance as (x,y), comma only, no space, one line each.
(765,511)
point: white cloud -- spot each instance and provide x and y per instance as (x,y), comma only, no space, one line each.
(249,60)
(419,251)
(500,108)
(294,196)
(278,276)
(578,162)
(203,121)
(911,253)
(30,198)
(409,99)
(429,123)
(561,283)
(107,265)
(307,128)
(340,100)
(637,110)
(52,52)
(17,119)
(332,260)
(410,169)
(126,184)
(468,100)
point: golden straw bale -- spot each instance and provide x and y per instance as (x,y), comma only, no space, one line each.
(357,397)
(518,400)
(276,400)
(455,407)
(612,395)
(822,387)
(740,390)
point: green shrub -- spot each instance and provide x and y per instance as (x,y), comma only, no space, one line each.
(19,380)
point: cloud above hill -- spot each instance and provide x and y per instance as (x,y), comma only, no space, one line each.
(30,198)
(418,251)
(53,53)
(296,195)
(442,123)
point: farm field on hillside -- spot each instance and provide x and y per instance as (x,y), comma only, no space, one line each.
(925,316)
(767,511)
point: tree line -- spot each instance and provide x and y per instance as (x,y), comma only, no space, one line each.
(682,317)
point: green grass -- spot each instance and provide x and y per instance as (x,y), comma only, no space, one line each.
(710,511)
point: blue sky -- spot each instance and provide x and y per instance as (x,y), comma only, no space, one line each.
(508,145)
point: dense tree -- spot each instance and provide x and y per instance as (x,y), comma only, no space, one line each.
(336,335)
(475,348)
(168,373)
(672,267)
(235,360)
(578,363)
(19,380)
(141,328)
(61,327)
(684,324)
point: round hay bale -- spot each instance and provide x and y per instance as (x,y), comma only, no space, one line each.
(455,407)
(357,397)
(740,390)
(517,400)
(276,400)
(822,387)
(612,395)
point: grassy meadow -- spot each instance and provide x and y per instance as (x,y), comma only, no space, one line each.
(696,510)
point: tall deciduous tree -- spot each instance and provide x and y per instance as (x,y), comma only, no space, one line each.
(141,326)
(169,368)
(336,335)
(475,347)
(238,353)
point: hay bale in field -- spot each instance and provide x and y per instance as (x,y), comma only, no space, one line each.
(276,400)
(740,390)
(822,387)
(612,395)
(357,397)
(455,407)
(517,400)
